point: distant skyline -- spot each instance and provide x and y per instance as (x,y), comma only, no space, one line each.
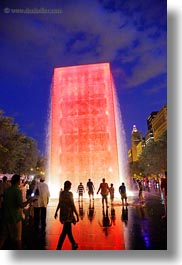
(130,35)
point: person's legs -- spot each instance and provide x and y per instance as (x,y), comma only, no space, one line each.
(36,218)
(4,234)
(70,236)
(140,196)
(43,217)
(15,233)
(18,235)
(122,198)
(102,201)
(62,237)
(126,200)
(106,201)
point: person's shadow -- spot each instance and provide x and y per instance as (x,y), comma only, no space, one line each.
(106,223)
(124,215)
(81,210)
(91,211)
(113,215)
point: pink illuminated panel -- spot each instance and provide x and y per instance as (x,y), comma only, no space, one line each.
(83,140)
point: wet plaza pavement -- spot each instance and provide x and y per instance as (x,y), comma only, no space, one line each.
(134,227)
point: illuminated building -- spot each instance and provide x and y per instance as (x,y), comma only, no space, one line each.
(83,135)
(150,119)
(136,138)
(159,123)
(149,137)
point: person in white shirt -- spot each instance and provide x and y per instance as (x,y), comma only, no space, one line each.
(41,191)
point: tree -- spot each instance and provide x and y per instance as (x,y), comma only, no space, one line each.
(18,153)
(135,169)
(153,159)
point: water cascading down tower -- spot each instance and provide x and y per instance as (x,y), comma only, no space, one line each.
(83,140)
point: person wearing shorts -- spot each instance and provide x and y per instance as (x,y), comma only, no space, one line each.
(122,191)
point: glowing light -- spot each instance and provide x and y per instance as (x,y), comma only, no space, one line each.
(83,124)
(110,169)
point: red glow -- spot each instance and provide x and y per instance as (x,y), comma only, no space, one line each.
(95,234)
(83,140)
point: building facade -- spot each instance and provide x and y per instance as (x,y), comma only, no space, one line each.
(159,124)
(136,138)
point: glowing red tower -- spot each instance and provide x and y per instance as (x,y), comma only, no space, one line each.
(83,140)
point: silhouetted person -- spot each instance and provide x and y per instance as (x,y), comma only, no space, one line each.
(66,215)
(41,191)
(104,190)
(148,185)
(141,192)
(80,191)
(90,188)
(122,191)
(111,192)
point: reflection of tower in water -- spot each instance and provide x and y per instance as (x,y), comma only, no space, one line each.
(85,131)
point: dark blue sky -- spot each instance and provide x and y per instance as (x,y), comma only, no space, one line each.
(129,34)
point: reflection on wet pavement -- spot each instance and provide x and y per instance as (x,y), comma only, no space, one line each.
(98,228)
(119,227)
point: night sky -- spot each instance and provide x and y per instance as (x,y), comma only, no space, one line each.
(129,34)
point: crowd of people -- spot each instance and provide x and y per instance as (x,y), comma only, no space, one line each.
(17,195)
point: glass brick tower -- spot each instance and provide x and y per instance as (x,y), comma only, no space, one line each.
(83,138)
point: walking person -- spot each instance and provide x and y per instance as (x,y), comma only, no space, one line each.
(90,188)
(122,191)
(67,212)
(111,191)
(42,194)
(80,191)
(104,188)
